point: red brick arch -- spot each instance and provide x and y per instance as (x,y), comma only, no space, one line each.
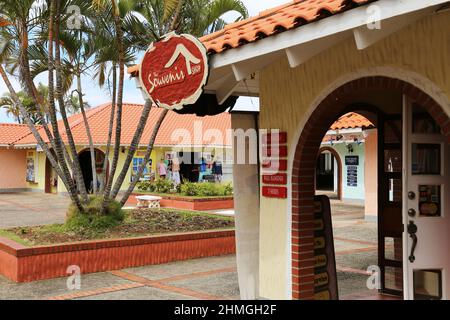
(303,172)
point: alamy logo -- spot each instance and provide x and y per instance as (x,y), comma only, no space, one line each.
(374,281)
(74,280)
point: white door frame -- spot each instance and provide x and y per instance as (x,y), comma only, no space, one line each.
(434,257)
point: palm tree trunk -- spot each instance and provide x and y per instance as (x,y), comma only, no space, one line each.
(62,109)
(88,132)
(146,157)
(65,178)
(111,124)
(133,147)
(119,37)
(71,188)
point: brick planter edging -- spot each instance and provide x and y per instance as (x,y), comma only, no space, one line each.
(25,264)
(197,204)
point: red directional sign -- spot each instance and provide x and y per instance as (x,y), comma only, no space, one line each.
(274,192)
(174,71)
(278,178)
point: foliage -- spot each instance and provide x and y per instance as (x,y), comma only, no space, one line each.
(189,189)
(158,186)
(206,189)
(35,37)
(90,218)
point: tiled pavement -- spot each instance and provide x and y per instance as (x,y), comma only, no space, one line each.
(205,279)
(31,208)
(210,278)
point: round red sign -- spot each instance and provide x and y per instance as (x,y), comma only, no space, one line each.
(174,71)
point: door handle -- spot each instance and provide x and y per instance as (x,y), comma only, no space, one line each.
(412,230)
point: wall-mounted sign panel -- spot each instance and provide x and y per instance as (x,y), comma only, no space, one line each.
(274,192)
(352,176)
(272,151)
(274,138)
(279,178)
(352,160)
(275,164)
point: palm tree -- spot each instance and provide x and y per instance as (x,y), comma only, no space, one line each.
(12,109)
(35,40)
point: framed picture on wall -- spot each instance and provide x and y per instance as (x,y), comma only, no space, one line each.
(31,170)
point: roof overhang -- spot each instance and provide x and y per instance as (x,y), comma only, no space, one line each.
(236,71)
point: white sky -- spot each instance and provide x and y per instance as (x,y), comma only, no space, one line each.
(96,96)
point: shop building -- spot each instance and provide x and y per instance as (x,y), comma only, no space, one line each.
(24,167)
(347,163)
(311,62)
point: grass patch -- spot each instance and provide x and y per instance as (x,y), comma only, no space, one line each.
(134,223)
(14,237)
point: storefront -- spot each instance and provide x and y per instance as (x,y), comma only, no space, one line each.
(310,63)
(30,170)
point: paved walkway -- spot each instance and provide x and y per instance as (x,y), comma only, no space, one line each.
(31,208)
(211,278)
(205,279)
(356,246)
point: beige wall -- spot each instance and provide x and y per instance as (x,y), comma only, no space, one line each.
(12,169)
(418,54)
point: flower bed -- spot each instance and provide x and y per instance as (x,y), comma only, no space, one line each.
(24,264)
(144,237)
(188,203)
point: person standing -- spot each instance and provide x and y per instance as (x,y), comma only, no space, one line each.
(162,169)
(176,171)
(217,170)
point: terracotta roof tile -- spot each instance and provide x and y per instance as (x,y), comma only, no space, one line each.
(176,129)
(11,132)
(272,21)
(351,120)
(275,20)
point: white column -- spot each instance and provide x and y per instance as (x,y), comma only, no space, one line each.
(246,205)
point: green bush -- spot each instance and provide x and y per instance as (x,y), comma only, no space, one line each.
(206,189)
(91,217)
(189,189)
(158,186)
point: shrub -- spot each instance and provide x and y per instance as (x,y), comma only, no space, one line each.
(91,218)
(158,186)
(206,189)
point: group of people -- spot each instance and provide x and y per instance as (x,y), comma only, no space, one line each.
(178,172)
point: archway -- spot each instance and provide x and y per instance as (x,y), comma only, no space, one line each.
(303,172)
(86,167)
(332,179)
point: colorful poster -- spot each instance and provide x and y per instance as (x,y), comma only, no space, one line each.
(31,170)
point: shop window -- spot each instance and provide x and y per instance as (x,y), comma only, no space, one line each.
(393,249)
(426,159)
(422,122)
(393,278)
(392,160)
(427,284)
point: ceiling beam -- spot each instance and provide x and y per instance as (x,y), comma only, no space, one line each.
(365,37)
(302,53)
(226,89)
(244,69)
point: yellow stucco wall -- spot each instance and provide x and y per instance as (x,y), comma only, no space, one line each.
(419,53)
(157,154)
